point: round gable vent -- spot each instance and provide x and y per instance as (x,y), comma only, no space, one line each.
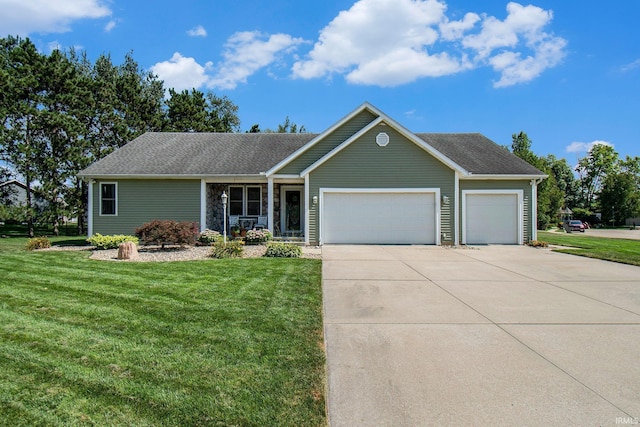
(382,139)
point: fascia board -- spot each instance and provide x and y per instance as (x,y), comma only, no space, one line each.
(501,177)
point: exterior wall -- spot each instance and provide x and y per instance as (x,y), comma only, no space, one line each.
(401,164)
(215,210)
(140,201)
(330,142)
(523,185)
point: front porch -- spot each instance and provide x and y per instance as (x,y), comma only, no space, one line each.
(248,207)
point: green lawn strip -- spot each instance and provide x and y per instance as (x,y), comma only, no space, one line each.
(625,251)
(228,342)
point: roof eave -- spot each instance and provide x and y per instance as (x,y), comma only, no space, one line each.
(504,177)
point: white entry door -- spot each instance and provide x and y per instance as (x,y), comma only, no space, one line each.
(378,217)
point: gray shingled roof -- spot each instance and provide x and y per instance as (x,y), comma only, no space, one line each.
(205,154)
(193,154)
(478,154)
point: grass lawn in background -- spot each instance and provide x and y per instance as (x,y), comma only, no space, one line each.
(214,342)
(626,251)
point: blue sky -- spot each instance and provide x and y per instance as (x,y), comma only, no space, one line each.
(566,72)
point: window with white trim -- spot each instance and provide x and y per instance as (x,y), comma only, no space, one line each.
(108,198)
(245,200)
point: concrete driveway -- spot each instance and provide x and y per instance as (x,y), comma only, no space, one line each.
(491,335)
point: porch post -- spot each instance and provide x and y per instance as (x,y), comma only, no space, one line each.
(270,204)
(90,207)
(306,209)
(203,205)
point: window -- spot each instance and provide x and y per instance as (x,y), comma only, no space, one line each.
(108,198)
(253,201)
(236,200)
(245,201)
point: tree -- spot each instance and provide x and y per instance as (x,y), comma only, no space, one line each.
(619,197)
(593,170)
(550,197)
(565,179)
(21,88)
(521,147)
(193,111)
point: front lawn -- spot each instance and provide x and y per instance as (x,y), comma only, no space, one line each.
(626,251)
(217,342)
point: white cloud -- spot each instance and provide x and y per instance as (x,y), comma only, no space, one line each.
(197,31)
(54,45)
(181,73)
(393,42)
(110,25)
(372,34)
(23,17)
(585,147)
(247,52)
(631,66)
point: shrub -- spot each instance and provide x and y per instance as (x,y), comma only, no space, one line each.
(110,242)
(208,237)
(232,249)
(283,250)
(255,237)
(538,244)
(167,232)
(38,243)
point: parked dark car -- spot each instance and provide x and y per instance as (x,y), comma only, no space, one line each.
(576,225)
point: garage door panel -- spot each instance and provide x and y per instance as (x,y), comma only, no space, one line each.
(492,218)
(379,218)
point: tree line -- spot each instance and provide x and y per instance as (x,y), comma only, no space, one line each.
(61,112)
(601,182)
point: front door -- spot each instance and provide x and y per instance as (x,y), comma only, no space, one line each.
(292,212)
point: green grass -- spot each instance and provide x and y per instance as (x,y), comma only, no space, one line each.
(216,342)
(626,251)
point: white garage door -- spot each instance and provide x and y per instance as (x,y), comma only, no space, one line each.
(491,218)
(378,218)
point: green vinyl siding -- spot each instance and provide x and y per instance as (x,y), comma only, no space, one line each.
(401,164)
(523,185)
(141,201)
(337,137)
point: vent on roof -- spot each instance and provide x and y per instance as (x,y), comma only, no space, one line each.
(382,139)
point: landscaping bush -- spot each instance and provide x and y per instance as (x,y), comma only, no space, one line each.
(256,237)
(283,250)
(208,237)
(232,249)
(38,243)
(167,232)
(110,242)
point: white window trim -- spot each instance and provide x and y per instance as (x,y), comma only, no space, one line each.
(245,198)
(520,201)
(116,198)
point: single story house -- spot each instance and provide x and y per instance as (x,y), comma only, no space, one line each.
(13,193)
(365,180)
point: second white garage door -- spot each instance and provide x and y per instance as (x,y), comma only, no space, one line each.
(491,218)
(378,217)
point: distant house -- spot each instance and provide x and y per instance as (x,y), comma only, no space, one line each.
(13,193)
(364,180)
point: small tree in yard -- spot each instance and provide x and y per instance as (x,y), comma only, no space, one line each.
(167,232)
